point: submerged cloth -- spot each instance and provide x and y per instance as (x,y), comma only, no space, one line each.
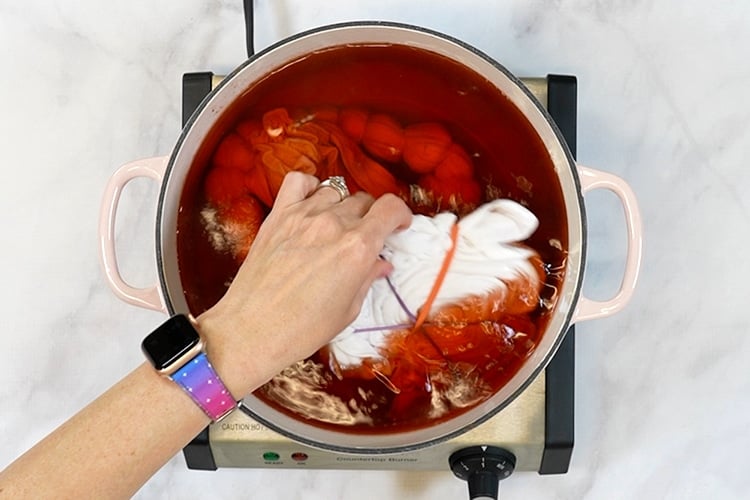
(488,256)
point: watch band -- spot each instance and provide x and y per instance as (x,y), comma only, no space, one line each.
(201,382)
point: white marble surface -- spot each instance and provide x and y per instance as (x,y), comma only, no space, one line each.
(663,388)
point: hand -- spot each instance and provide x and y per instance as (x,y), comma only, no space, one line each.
(304,280)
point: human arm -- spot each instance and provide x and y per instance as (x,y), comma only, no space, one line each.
(303,281)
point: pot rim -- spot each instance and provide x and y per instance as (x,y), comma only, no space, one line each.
(487,410)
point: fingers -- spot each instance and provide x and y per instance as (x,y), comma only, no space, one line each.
(377,218)
(358,204)
(335,184)
(326,194)
(296,187)
(387,214)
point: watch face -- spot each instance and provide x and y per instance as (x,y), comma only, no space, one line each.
(172,340)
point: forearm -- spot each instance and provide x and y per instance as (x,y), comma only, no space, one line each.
(147,420)
(289,298)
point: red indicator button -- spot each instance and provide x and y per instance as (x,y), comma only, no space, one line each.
(299,456)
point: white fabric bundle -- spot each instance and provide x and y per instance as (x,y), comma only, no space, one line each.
(488,256)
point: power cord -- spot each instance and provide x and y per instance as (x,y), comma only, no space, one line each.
(249,26)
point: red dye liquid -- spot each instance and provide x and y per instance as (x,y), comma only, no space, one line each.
(467,363)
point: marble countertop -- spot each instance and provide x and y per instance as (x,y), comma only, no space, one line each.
(663,388)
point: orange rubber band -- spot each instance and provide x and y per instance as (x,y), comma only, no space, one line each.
(425,309)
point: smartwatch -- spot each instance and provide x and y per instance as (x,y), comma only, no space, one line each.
(176,350)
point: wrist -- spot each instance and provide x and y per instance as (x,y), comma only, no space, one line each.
(176,350)
(241,363)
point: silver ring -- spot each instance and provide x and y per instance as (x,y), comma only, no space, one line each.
(338,183)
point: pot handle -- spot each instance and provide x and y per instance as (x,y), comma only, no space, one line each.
(148,297)
(594,179)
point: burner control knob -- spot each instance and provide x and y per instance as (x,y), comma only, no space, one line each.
(482,467)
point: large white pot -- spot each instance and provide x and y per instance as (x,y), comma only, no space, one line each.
(574,180)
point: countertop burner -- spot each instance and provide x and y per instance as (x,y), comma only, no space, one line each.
(537,428)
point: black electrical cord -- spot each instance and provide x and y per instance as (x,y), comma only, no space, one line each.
(249,26)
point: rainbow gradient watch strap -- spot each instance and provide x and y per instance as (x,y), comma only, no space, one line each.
(201,382)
